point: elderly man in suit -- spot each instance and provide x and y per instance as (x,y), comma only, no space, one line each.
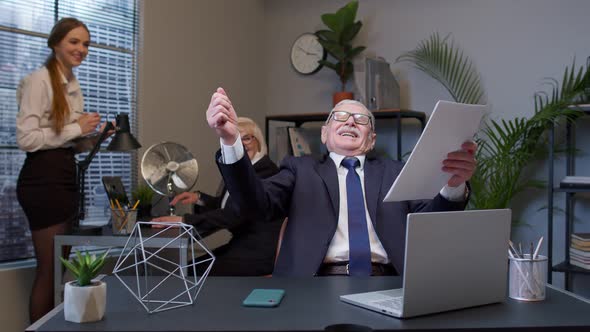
(337,223)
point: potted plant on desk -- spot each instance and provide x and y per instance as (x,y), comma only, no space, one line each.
(85,299)
(338,43)
(144,195)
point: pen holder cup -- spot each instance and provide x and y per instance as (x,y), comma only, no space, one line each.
(123,221)
(527,278)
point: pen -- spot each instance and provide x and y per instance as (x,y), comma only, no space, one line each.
(538,247)
(511,248)
(532,251)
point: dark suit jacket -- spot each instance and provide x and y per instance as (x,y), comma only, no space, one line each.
(306,190)
(252,249)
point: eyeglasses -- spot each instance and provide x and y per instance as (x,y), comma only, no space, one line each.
(359,118)
(248,139)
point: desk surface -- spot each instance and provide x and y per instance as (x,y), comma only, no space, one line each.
(310,304)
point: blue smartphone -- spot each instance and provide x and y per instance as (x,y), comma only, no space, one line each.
(264,298)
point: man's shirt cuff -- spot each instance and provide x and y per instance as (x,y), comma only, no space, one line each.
(231,153)
(454,194)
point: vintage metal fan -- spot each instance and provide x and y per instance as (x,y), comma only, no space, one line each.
(169,169)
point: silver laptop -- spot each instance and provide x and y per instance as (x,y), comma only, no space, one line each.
(453,260)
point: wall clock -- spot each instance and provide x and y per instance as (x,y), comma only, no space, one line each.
(305,54)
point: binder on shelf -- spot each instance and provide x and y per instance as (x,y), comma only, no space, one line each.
(282,146)
(306,141)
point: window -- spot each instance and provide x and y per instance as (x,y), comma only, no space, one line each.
(108,80)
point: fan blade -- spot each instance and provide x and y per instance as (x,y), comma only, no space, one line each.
(161,185)
(188,172)
(156,175)
(178,182)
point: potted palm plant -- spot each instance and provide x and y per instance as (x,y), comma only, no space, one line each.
(84,298)
(337,41)
(506,147)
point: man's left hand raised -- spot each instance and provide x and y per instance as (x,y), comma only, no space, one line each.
(461,164)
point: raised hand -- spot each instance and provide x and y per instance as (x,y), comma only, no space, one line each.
(461,164)
(185,198)
(88,122)
(222,117)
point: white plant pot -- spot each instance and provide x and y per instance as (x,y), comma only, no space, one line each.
(85,304)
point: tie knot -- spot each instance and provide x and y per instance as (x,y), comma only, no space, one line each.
(350,162)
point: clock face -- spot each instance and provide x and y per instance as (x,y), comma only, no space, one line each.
(305,54)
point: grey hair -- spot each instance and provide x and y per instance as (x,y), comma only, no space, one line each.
(353,102)
(248,124)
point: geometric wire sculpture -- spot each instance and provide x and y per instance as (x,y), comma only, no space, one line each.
(145,254)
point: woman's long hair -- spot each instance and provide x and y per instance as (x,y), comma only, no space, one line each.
(60,109)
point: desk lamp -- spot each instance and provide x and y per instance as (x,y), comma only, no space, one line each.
(121,142)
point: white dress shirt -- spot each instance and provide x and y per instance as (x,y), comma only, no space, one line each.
(34,129)
(338,250)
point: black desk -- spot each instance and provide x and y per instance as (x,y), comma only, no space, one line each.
(310,304)
(397,114)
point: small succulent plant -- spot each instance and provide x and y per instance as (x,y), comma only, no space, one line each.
(85,267)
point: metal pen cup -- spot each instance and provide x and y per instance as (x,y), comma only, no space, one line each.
(527,278)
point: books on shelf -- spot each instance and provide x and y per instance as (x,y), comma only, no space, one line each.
(585,237)
(582,264)
(580,250)
(580,241)
(580,182)
(579,246)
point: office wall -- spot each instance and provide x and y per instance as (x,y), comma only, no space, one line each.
(514,44)
(14,302)
(189,49)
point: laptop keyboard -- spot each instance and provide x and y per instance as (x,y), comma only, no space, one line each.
(394,303)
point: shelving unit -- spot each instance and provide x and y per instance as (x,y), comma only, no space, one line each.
(395,114)
(564,266)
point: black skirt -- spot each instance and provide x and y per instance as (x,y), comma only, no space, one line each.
(47,189)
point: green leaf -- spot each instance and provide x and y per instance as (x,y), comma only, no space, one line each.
(354,52)
(349,32)
(333,22)
(347,14)
(446,63)
(334,49)
(327,35)
(69,266)
(328,64)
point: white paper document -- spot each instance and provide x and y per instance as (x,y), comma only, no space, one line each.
(449,126)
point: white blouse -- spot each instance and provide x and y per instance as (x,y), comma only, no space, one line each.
(34,129)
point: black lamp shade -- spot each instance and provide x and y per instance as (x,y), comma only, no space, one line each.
(123,139)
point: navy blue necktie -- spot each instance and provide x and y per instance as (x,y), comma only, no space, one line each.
(358,236)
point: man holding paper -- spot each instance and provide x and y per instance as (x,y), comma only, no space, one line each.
(337,223)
